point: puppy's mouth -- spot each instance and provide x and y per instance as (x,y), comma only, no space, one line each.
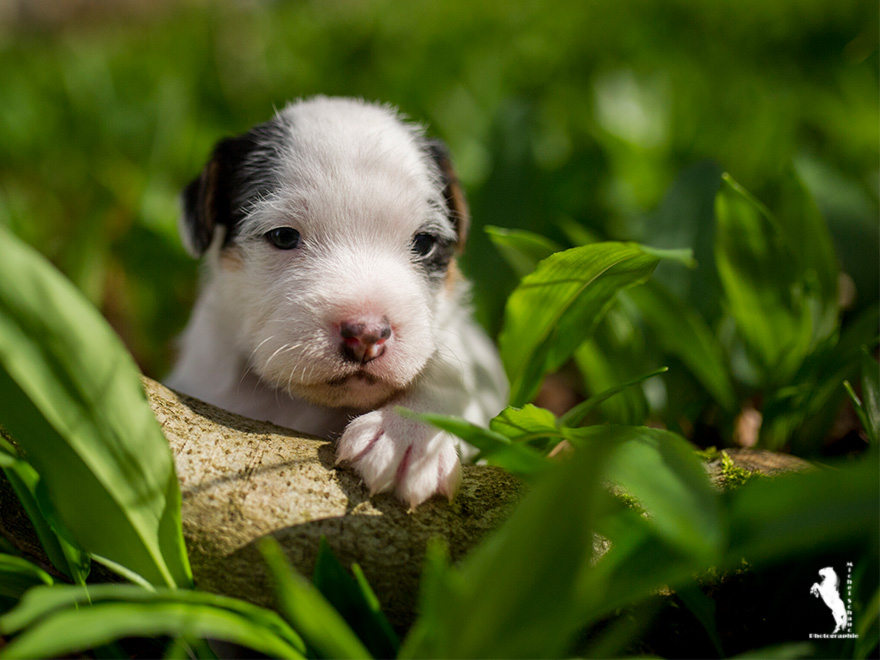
(358,389)
(359,375)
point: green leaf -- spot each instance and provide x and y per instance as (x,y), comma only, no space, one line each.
(496,448)
(613,356)
(17,575)
(620,577)
(40,603)
(355,601)
(531,424)
(516,594)
(765,286)
(73,629)
(576,415)
(557,307)
(661,470)
(870,396)
(806,228)
(62,552)
(820,509)
(521,249)
(308,611)
(74,402)
(681,330)
(803,411)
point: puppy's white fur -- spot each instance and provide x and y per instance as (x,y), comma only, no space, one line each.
(359,185)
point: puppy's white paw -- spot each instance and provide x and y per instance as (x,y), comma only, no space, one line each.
(394,453)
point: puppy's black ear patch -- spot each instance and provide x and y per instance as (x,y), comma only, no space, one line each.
(218,196)
(456,205)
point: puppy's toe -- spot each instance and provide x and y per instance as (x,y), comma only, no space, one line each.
(429,468)
(371,451)
(390,452)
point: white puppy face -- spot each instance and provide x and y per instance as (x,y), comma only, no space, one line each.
(332,229)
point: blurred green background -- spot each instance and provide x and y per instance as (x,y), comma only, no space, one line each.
(554,112)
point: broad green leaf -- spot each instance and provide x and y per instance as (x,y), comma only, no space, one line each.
(355,602)
(804,409)
(72,630)
(515,595)
(681,330)
(323,629)
(771,519)
(73,400)
(610,358)
(660,469)
(439,586)
(521,249)
(17,575)
(496,448)
(805,226)
(620,577)
(576,415)
(41,603)
(764,285)
(557,307)
(531,424)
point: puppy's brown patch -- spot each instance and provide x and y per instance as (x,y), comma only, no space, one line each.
(453,276)
(231,258)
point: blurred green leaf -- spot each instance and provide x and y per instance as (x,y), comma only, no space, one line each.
(805,227)
(557,307)
(681,330)
(521,249)
(58,621)
(574,416)
(870,408)
(74,402)
(478,611)
(17,575)
(661,470)
(322,627)
(771,519)
(612,357)
(764,285)
(803,410)
(356,603)
(620,577)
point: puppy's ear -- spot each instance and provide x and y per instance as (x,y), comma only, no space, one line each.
(456,204)
(211,200)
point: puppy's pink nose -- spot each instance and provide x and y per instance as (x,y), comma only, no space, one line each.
(364,339)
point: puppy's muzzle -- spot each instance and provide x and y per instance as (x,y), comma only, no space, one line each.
(363,339)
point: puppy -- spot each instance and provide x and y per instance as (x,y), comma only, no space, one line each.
(330,294)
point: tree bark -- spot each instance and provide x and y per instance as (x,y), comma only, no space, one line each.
(242,480)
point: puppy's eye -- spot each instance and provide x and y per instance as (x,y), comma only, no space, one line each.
(284,238)
(423,244)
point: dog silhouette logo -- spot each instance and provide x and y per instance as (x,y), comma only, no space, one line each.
(829,590)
